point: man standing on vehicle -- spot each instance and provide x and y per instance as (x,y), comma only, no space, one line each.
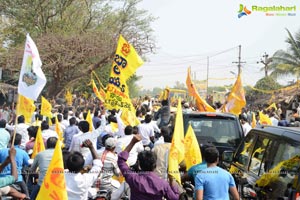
(214,182)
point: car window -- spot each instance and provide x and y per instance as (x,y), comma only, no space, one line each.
(259,152)
(216,130)
(244,152)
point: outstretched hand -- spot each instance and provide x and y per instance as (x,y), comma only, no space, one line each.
(87,143)
(136,138)
(119,113)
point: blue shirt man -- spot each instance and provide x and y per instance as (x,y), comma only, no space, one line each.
(70,131)
(21,159)
(195,169)
(213,183)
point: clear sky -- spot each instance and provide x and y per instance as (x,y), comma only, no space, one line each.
(189,31)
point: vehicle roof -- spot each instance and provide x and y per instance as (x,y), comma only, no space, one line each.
(288,132)
(195,113)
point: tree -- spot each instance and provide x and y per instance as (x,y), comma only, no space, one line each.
(265,87)
(287,62)
(179,85)
(74,38)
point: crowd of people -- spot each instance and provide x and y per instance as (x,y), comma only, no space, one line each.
(131,161)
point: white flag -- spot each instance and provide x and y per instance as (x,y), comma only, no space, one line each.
(32,79)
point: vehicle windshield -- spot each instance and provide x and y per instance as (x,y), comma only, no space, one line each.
(215,130)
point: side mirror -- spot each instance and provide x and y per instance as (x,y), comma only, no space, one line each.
(227,156)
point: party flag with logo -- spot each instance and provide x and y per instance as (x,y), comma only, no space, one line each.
(54,184)
(176,153)
(125,63)
(38,144)
(264,119)
(25,107)
(46,108)
(192,154)
(32,79)
(236,99)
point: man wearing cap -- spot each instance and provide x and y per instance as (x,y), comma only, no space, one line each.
(110,167)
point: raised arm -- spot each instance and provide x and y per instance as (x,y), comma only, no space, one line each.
(12,157)
(87,143)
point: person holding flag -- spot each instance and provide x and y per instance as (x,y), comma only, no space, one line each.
(141,184)
(42,161)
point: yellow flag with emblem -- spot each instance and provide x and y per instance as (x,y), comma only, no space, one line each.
(176,153)
(192,154)
(202,105)
(236,99)
(125,63)
(38,144)
(54,183)
(25,107)
(264,119)
(46,108)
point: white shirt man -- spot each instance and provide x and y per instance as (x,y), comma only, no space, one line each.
(146,131)
(78,139)
(21,128)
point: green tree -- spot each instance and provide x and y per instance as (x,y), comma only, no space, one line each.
(287,62)
(266,85)
(74,38)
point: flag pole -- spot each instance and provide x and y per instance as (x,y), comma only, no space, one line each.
(16,121)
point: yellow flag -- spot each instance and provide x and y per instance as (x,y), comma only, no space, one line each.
(273,105)
(202,105)
(89,120)
(129,118)
(236,99)
(69,97)
(176,154)
(264,119)
(58,129)
(164,95)
(96,91)
(46,108)
(54,184)
(25,107)
(114,127)
(125,63)
(102,94)
(38,144)
(192,154)
(253,123)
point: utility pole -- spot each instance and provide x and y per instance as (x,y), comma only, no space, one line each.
(265,60)
(207,77)
(239,63)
